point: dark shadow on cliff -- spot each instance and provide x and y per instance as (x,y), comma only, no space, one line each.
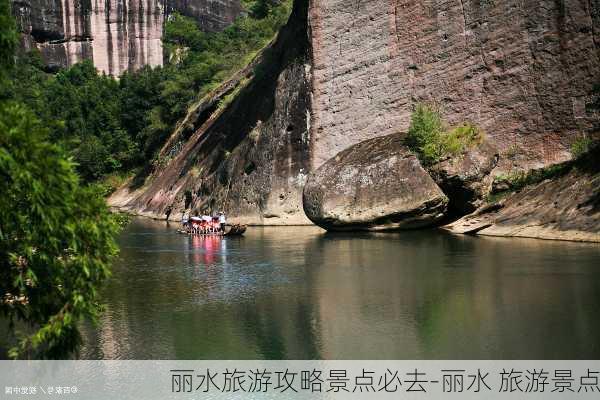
(255,102)
(218,152)
(589,163)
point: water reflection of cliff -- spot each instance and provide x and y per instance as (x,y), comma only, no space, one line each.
(418,295)
(298,293)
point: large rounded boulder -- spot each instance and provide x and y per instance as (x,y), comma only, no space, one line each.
(377,184)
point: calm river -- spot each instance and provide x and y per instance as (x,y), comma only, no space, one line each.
(298,293)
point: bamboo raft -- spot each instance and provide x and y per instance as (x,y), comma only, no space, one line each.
(231,230)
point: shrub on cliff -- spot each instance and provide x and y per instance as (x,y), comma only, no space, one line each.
(580,146)
(425,133)
(430,138)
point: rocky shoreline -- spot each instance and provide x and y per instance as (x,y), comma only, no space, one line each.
(564,208)
(379,185)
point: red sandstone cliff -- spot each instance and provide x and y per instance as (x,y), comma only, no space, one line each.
(244,148)
(521,70)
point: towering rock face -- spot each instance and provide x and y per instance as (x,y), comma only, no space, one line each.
(244,148)
(521,70)
(342,72)
(118,35)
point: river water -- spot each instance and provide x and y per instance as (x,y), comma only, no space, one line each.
(299,293)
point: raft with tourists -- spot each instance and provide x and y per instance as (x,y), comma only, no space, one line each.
(210,225)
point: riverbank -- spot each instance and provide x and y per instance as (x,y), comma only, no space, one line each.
(563,209)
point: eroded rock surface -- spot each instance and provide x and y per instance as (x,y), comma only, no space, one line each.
(565,208)
(523,71)
(248,157)
(212,15)
(377,184)
(118,35)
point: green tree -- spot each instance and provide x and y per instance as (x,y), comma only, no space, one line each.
(184,32)
(140,93)
(56,237)
(8,39)
(89,105)
(112,126)
(262,8)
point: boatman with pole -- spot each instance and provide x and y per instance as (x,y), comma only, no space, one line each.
(222,221)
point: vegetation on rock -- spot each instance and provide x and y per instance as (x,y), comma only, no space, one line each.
(432,140)
(580,146)
(586,159)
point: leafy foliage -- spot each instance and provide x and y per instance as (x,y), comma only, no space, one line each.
(201,61)
(82,112)
(56,238)
(425,132)
(8,39)
(580,146)
(261,8)
(431,140)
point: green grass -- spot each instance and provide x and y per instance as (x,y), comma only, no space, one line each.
(109,183)
(517,180)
